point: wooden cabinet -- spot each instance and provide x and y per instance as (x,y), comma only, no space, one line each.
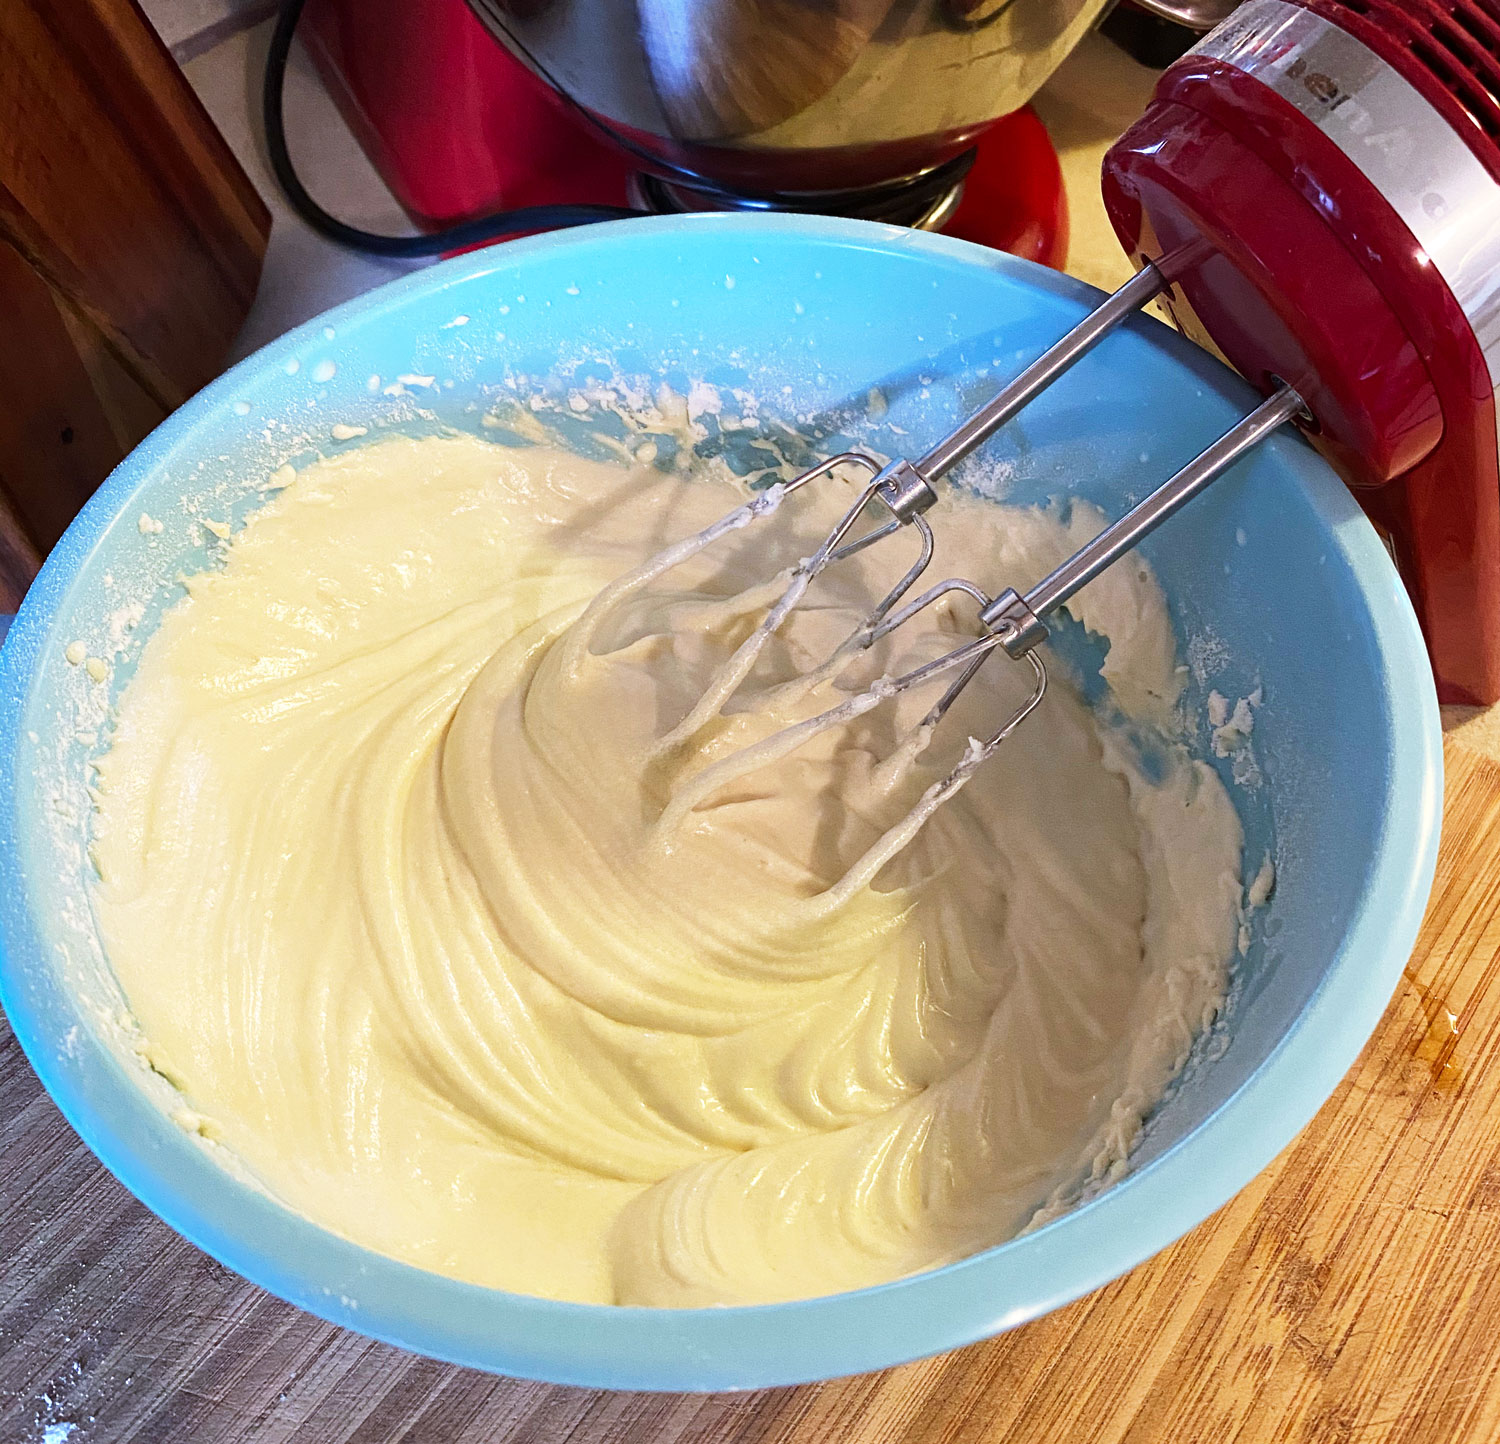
(130,248)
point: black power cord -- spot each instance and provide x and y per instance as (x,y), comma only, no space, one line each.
(451,238)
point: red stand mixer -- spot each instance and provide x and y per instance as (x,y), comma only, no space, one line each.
(458,127)
(1316,185)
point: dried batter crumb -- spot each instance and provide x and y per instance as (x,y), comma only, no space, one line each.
(191,1121)
(1232,725)
(1263,884)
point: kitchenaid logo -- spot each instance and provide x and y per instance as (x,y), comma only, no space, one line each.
(1323,88)
(1255,46)
(1319,68)
(1334,106)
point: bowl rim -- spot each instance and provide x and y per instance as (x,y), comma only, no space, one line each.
(770,1344)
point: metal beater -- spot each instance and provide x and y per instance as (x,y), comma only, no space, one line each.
(904,490)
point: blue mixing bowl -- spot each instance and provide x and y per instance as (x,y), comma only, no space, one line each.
(1274,578)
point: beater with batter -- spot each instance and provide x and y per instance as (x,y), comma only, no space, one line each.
(904,491)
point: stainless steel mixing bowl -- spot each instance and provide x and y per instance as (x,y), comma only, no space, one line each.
(770,96)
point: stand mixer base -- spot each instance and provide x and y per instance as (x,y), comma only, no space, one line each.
(924,202)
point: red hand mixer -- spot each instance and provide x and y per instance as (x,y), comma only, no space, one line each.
(1319,181)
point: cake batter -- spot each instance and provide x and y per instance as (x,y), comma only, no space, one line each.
(384,877)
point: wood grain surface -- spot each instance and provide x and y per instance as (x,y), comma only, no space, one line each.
(130,248)
(1351,1293)
(118,189)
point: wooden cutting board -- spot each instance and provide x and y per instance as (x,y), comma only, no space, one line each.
(1351,1293)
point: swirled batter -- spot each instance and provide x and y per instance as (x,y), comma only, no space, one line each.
(383,878)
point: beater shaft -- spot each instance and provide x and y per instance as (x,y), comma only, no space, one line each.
(1144,286)
(1015,622)
(1020,618)
(906,486)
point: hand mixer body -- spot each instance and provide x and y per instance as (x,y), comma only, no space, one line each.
(1342,216)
